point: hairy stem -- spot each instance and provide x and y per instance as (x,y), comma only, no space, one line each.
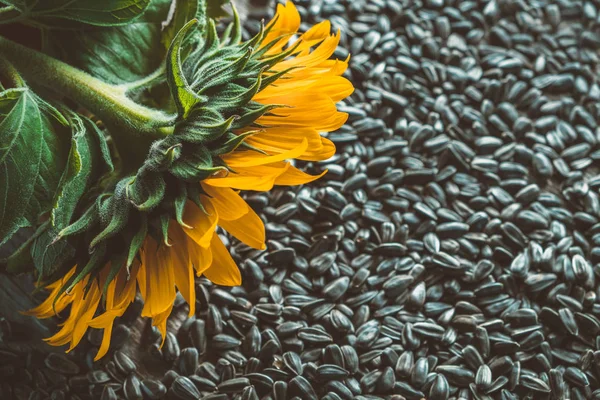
(106,101)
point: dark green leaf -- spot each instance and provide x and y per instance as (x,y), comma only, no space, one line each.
(49,256)
(94,12)
(33,154)
(19,258)
(117,55)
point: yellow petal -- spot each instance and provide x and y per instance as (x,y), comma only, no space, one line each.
(252,159)
(286,22)
(227,202)
(285,138)
(223,270)
(49,308)
(293,176)
(261,178)
(141,278)
(249,229)
(160,280)
(200,257)
(203,224)
(183,270)
(326,151)
(125,288)
(321,53)
(317,31)
(65,334)
(105,345)
(88,309)
(335,87)
(327,123)
(160,321)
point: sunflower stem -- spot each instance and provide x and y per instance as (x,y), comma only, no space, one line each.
(108,102)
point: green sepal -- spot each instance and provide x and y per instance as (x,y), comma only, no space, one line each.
(116,263)
(105,155)
(147,191)
(211,38)
(204,125)
(218,72)
(233,34)
(234,99)
(194,164)
(179,202)
(183,95)
(268,80)
(194,191)
(90,217)
(138,240)
(266,63)
(254,42)
(247,146)
(96,262)
(232,143)
(118,215)
(164,228)
(248,118)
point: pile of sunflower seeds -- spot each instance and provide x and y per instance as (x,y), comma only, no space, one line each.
(451,252)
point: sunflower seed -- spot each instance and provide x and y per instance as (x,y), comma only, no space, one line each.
(183,388)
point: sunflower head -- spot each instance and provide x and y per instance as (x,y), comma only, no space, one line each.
(243,109)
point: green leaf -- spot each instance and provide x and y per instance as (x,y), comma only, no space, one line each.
(20,260)
(94,12)
(116,55)
(33,154)
(88,160)
(49,256)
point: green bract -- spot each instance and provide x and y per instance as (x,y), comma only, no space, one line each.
(106,131)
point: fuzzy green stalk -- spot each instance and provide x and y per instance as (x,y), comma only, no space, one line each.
(132,126)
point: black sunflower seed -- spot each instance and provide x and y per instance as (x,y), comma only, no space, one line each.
(534,383)
(183,388)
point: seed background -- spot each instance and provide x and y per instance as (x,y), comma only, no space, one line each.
(451,251)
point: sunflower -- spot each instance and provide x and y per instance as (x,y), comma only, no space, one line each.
(304,85)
